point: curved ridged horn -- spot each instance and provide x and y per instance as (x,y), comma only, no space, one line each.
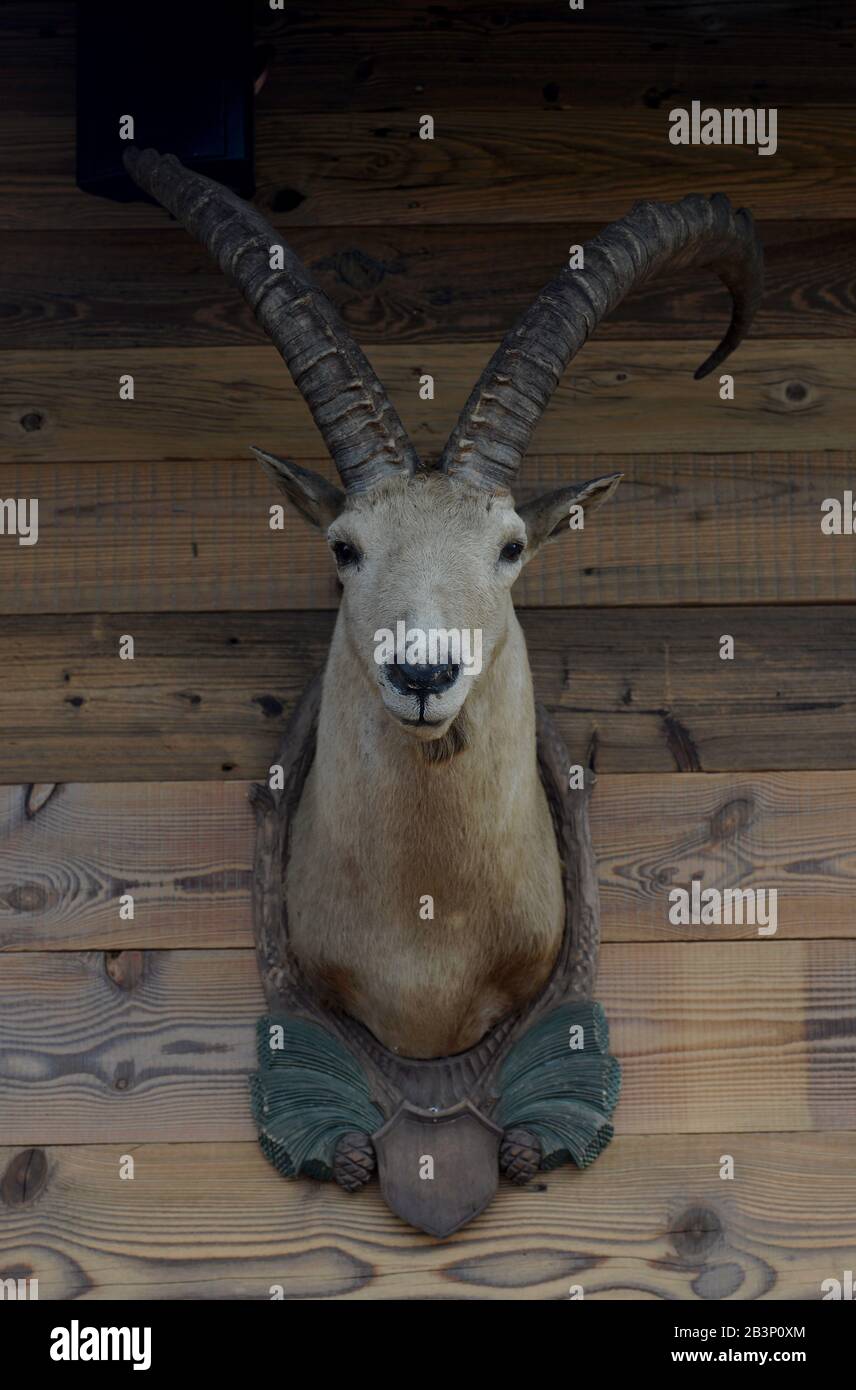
(496,424)
(366,439)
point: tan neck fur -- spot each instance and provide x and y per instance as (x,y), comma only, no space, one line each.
(381,826)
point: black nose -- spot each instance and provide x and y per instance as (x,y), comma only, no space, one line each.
(422,680)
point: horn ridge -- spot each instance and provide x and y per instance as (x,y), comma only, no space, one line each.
(496,425)
(354,415)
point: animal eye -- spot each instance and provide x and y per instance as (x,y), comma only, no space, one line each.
(511,551)
(345,553)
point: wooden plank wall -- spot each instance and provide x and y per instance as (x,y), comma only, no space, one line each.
(135,1037)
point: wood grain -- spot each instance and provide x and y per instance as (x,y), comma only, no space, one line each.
(682,528)
(788,832)
(521,165)
(184,851)
(138,1046)
(380,57)
(501,165)
(634,691)
(158,288)
(371,57)
(213,402)
(651,1219)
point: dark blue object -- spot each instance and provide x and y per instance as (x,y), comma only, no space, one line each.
(184,72)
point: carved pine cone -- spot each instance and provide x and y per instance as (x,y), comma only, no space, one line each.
(353,1160)
(519,1155)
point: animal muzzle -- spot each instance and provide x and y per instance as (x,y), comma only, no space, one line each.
(422,681)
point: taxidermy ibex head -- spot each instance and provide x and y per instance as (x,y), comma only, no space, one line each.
(424,890)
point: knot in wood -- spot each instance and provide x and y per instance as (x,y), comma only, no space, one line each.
(696,1232)
(735,815)
(125,968)
(24,1177)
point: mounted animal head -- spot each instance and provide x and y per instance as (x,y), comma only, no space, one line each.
(425,553)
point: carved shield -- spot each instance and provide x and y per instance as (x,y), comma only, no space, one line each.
(438,1168)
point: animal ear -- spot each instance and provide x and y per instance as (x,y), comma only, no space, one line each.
(549,516)
(317,500)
